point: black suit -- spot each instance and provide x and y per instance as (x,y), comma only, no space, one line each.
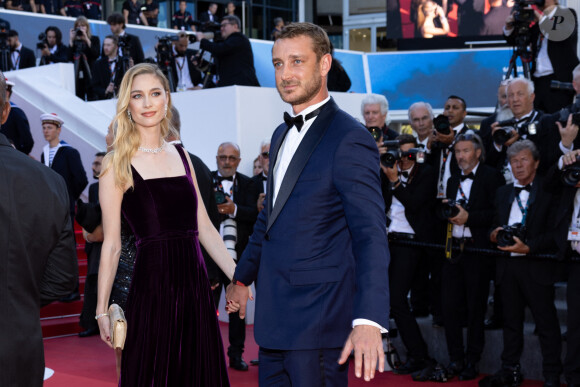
(466,277)
(529,282)
(245,197)
(38,265)
(135,48)
(102,77)
(194,74)
(61,55)
(235,60)
(90,54)
(26,60)
(418,198)
(204,17)
(563,56)
(17,129)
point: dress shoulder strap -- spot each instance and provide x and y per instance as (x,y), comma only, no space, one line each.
(181,152)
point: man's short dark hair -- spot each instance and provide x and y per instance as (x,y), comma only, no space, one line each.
(233,19)
(521,145)
(406,139)
(57,33)
(116,18)
(320,41)
(470,136)
(460,99)
(12,33)
(113,38)
(100,154)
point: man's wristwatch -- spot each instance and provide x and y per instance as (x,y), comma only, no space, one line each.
(236,282)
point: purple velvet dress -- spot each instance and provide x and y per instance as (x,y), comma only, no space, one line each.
(173,336)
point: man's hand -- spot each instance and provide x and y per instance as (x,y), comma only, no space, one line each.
(367,344)
(392,173)
(228,207)
(199,35)
(460,218)
(567,134)
(238,295)
(261,201)
(570,157)
(518,247)
(493,235)
(445,138)
(110,89)
(45,51)
(515,135)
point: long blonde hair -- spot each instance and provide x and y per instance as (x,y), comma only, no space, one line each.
(126,136)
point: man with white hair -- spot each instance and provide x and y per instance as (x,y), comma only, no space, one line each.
(421,120)
(374,109)
(520,94)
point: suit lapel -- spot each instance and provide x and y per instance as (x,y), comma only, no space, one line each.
(274,149)
(301,157)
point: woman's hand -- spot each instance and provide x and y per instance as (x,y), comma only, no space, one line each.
(105,329)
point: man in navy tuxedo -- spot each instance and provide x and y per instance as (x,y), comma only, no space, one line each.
(319,248)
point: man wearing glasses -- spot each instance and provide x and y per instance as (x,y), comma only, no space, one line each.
(261,179)
(233,55)
(236,197)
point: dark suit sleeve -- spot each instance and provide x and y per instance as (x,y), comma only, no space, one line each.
(248,211)
(221,48)
(78,173)
(99,81)
(358,184)
(27,59)
(23,127)
(60,56)
(483,216)
(137,50)
(61,270)
(248,265)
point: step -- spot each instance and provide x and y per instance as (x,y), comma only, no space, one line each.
(61,326)
(57,309)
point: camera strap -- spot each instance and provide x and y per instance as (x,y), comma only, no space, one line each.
(463,196)
(449,241)
(523,209)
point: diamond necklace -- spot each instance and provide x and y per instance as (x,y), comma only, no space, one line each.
(153,150)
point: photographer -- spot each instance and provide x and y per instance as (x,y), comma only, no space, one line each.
(53,51)
(567,230)
(551,59)
(465,274)
(83,51)
(127,42)
(520,94)
(374,109)
(182,19)
(421,120)
(409,193)
(234,56)
(521,227)
(185,74)
(21,57)
(105,70)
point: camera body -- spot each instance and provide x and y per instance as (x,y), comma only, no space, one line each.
(376,132)
(42,42)
(508,127)
(571,174)
(505,236)
(220,196)
(448,209)
(394,154)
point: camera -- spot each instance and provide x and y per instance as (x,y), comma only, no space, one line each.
(562,86)
(441,124)
(571,173)
(78,33)
(164,47)
(505,237)
(220,197)
(448,209)
(394,154)
(42,42)
(574,109)
(508,127)
(523,17)
(376,132)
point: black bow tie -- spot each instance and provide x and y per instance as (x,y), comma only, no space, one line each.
(15,50)
(262,177)
(180,55)
(405,174)
(299,120)
(221,178)
(112,61)
(470,175)
(528,188)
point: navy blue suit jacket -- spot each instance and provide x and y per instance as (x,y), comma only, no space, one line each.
(320,253)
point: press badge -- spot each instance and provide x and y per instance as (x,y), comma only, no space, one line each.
(441,192)
(574,233)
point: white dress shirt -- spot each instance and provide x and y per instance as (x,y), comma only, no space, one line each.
(447,169)
(16,57)
(462,231)
(399,222)
(516,215)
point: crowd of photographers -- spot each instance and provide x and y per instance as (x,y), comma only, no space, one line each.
(468,206)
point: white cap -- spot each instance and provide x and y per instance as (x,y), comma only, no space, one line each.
(9,83)
(51,118)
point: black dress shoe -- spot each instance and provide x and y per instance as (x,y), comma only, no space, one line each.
(74,296)
(410,366)
(470,372)
(255,362)
(238,363)
(509,376)
(454,369)
(492,324)
(89,332)
(552,381)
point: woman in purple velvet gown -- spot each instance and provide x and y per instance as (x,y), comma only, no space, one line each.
(173,337)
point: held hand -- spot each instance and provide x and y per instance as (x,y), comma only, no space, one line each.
(238,295)
(515,137)
(110,88)
(104,328)
(228,207)
(445,138)
(493,235)
(367,344)
(570,157)
(568,134)
(460,218)
(495,126)
(392,173)
(509,22)
(518,247)
(261,201)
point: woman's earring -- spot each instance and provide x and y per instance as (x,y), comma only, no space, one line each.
(129,115)
(165,110)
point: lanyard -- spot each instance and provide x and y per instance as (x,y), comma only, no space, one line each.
(463,196)
(523,209)
(16,62)
(220,187)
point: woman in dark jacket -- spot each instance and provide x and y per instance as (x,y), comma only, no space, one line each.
(84,51)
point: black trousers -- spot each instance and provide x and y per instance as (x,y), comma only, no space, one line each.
(236,327)
(465,286)
(302,368)
(572,361)
(548,100)
(518,290)
(406,261)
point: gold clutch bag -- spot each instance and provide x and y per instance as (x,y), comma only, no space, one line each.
(118,326)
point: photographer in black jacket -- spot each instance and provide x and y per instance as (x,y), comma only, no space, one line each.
(234,57)
(53,50)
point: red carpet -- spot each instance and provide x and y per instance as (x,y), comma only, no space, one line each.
(90,363)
